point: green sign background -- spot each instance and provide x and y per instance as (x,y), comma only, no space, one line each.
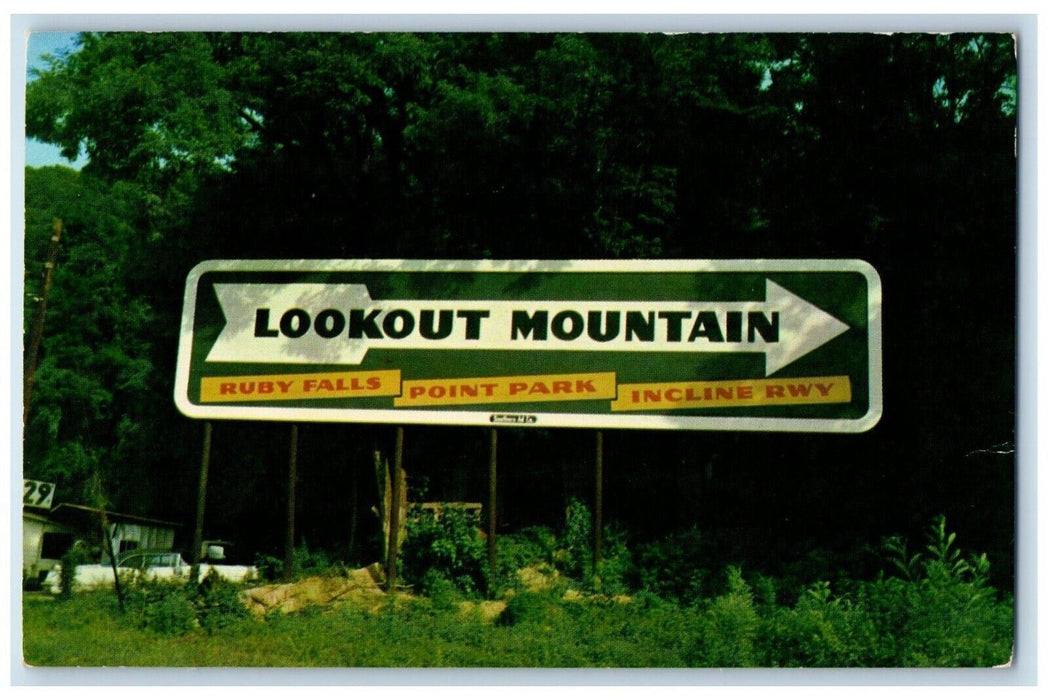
(848,290)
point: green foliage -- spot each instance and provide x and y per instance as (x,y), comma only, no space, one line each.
(309,562)
(176,607)
(574,555)
(729,627)
(501,145)
(73,557)
(304,562)
(164,607)
(269,568)
(569,554)
(442,593)
(531,546)
(449,546)
(218,602)
(946,614)
(539,608)
(672,567)
(821,630)
(951,620)
(616,568)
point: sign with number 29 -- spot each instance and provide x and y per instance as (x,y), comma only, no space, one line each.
(37,493)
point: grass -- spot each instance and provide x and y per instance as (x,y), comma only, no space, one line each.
(406,633)
(537,630)
(934,609)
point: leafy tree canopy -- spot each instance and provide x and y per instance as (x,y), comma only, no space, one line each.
(895,149)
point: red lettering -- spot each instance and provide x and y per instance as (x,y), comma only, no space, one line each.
(561,387)
(744,392)
(227,388)
(517,387)
(585,386)
(774,391)
(824,389)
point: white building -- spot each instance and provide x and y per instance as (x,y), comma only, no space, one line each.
(48,534)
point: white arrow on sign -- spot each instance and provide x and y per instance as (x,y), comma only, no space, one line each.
(306,323)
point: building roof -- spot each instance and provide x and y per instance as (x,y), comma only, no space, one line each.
(73,512)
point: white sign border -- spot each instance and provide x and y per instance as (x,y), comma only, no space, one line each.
(541,419)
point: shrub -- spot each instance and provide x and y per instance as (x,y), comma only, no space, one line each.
(175,607)
(307,562)
(74,557)
(729,627)
(217,602)
(531,546)
(616,564)
(574,556)
(821,630)
(450,546)
(443,594)
(269,568)
(939,610)
(531,608)
(670,569)
(161,606)
(304,562)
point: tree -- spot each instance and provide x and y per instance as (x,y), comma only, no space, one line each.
(897,149)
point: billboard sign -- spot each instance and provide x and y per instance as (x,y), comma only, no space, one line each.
(791,345)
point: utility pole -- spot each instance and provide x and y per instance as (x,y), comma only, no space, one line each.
(38,321)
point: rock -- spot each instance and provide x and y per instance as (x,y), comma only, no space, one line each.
(359,585)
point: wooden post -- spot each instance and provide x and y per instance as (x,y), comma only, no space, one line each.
(107,547)
(33,351)
(107,535)
(198,529)
(492,511)
(292,477)
(354,513)
(394,511)
(598,504)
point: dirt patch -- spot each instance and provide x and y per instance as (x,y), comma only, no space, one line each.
(360,586)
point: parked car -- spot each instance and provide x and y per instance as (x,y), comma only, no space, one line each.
(151,565)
